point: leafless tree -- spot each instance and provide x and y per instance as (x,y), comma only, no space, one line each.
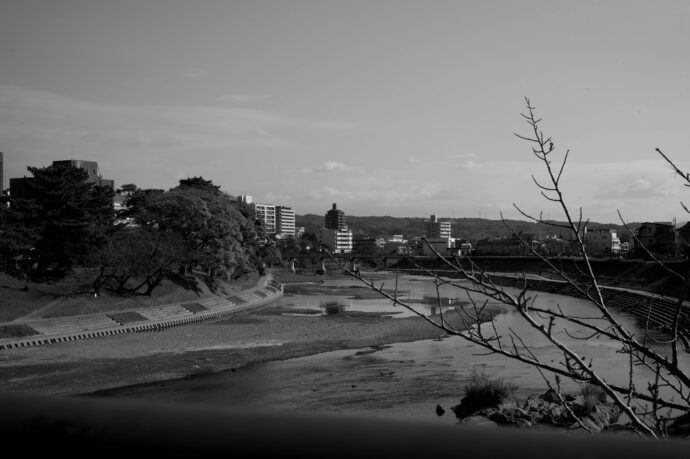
(649,410)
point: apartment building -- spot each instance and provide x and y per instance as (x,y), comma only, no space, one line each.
(285,221)
(335,235)
(436,229)
(657,237)
(267,214)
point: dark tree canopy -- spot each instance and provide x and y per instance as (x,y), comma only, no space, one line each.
(216,235)
(64,217)
(200,184)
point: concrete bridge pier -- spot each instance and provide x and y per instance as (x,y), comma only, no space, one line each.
(292,265)
(354,265)
(323,266)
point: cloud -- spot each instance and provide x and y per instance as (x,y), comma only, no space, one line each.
(242,98)
(145,144)
(193,73)
(412,159)
(334,125)
(333,166)
(641,188)
(465,155)
(323,192)
(469,164)
(327,166)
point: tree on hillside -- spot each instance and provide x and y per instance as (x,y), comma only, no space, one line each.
(656,397)
(64,218)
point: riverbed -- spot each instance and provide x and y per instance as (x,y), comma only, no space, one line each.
(402,379)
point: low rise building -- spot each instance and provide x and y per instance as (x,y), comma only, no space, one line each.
(601,241)
(441,245)
(659,238)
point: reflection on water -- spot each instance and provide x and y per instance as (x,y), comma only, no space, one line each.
(401,380)
(416,292)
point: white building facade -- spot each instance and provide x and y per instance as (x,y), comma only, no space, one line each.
(436,229)
(337,240)
(285,221)
(267,214)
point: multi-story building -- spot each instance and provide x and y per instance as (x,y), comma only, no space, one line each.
(684,240)
(436,229)
(505,246)
(267,214)
(19,187)
(365,246)
(335,235)
(658,238)
(285,221)
(601,241)
(91,168)
(337,240)
(335,218)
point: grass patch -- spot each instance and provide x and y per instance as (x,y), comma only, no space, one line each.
(75,295)
(483,392)
(16,331)
(195,307)
(592,396)
(128,317)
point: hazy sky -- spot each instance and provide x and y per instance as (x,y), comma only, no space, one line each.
(402,108)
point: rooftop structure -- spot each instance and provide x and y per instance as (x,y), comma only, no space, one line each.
(335,218)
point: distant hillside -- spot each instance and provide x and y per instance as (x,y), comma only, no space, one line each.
(466,228)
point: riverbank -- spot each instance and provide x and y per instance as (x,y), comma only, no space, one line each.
(247,338)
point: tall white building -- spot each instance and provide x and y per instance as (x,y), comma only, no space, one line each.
(436,229)
(285,221)
(267,214)
(337,240)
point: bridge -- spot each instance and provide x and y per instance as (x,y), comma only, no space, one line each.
(351,260)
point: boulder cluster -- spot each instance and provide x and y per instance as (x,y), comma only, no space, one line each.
(596,414)
(545,410)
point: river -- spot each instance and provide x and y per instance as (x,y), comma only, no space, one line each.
(403,380)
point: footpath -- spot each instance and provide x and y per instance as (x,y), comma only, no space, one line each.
(61,329)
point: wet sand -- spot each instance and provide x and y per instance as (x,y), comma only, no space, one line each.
(87,366)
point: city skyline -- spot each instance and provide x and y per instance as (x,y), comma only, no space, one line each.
(394,108)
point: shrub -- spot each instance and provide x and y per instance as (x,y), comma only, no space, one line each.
(591,396)
(482,391)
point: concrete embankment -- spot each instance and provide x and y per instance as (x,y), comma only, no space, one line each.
(56,330)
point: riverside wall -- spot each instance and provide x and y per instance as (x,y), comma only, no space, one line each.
(643,288)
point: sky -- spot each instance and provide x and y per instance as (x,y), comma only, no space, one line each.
(386,107)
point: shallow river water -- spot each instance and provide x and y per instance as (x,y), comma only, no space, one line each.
(401,380)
